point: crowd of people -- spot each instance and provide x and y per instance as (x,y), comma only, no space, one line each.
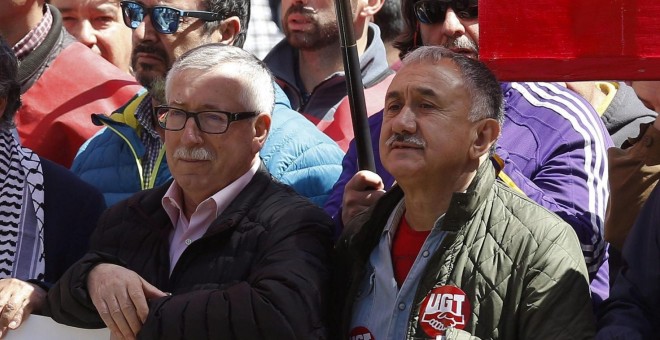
(166,178)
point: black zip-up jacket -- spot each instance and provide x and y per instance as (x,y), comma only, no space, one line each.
(261,270)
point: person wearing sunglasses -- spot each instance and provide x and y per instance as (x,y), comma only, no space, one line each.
(242,255)
(308,62)
(552,148)
(129,155)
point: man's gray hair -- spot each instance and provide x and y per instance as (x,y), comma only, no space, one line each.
(483,87)
(259,92)
(10,89)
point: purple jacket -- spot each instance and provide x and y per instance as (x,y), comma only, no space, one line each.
(554,147)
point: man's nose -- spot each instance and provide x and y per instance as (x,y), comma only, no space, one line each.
(85,33)
(192,135)
(405,121)
(452,27)
(145,31)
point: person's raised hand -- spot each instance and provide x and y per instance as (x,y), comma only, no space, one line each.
(120,296)
(18,299)
(361,191)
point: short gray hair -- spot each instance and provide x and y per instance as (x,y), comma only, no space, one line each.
(483,87)
(10,89)
(259,94)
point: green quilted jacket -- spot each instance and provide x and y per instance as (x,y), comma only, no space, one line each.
(519,265)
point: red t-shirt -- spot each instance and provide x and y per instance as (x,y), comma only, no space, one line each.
(405,247)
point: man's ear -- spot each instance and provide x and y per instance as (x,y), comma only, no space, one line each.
(229,29)
(486,132)
(370,7)
(261,129)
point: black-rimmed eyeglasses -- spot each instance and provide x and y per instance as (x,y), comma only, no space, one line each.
(434,11)
(164,19)
(212,121)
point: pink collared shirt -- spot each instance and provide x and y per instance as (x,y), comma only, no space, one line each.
(186,232)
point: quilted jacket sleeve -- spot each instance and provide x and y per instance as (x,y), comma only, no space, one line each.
(632,310)
(556,303)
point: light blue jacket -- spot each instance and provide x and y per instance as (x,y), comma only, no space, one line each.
(296,153)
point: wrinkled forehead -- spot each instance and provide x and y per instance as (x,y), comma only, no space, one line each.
(435,81)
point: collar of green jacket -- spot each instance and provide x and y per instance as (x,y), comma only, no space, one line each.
(366,225)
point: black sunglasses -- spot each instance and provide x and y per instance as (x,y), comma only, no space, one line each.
(211,121)
(164,19)
(433,11)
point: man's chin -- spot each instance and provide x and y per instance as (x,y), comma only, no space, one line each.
(148,79)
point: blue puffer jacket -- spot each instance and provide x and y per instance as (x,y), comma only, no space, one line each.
(296,153)
(110,160)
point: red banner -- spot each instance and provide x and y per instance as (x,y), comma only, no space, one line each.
(535,40)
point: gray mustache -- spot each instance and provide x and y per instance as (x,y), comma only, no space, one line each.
(406,138)
(462,42)
(198,154)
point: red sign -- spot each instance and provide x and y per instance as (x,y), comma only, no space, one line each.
(360,333)
(444,307)
(535,40)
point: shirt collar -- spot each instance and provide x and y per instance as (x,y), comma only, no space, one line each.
(173,199)
(35,37)
(395,219)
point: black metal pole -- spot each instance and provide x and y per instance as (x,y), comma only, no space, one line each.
(354,86)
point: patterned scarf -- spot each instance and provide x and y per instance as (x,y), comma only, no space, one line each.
(21,211)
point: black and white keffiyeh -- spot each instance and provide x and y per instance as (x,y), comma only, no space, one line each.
(21,211)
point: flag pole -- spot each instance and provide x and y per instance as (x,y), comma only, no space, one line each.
(354,86)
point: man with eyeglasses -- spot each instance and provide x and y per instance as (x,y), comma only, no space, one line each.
(553,144)
(129,156)
(62,81)
(308,62)
(240,255)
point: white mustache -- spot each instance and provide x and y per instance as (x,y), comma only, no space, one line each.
(406,138)
(197,154)
(462,42)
